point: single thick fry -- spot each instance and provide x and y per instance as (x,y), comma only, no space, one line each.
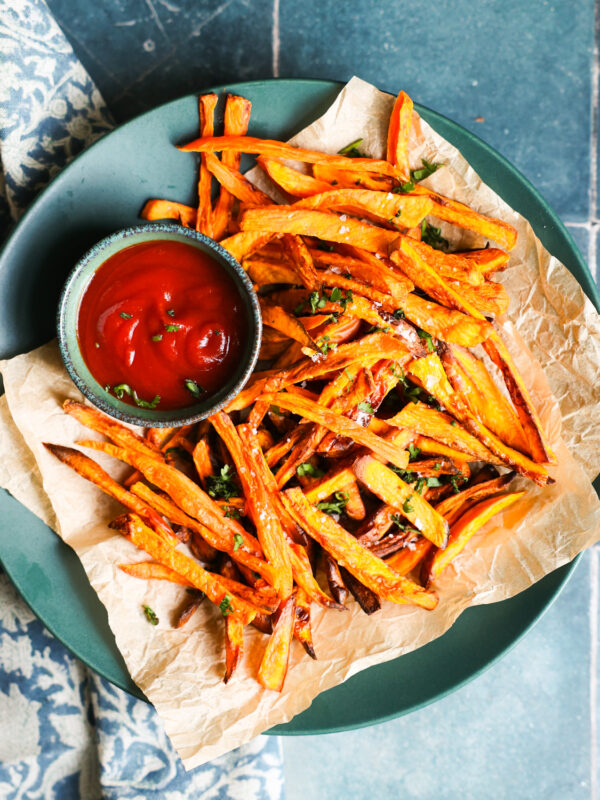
(352,178)
(302,630)
(234,644)
(274,149)
(489,298)
(360,562)
(400,209)
(235,184)
(398,133)
(277,317)
(204,223)
(265,271)
(445,324)
(152,570)
(453,506)
(299,255)
(292,180)
(378,275)
(169,209)
(450,265)
(340,425)
(462,530)
(393,491)
(94,473)
(405,560)
(241,245)
(322,224)
(274,664)
(488,260)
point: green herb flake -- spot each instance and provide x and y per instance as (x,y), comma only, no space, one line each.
(335,506)
(351,150)
(316,301)
(125,315)
(222,485)
(348,374)
(397,520)
(171,312)
(150,615)
(427,169)
(406,506)
(399,314)
(433,236)
(427,338)
(232,513)
(325,345)
(193,388)
(367,408)
(145,403)
(454,480)
(433,482)
(171,328)
(276,410)
(238,541)
(336,294)
(225,605)
(413,452)
(157,338)
(308,470)
(403,188)
(454,423)
(437,465)
(122,389)
(218,333)
(420,485)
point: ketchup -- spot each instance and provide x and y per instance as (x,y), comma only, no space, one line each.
(161,325)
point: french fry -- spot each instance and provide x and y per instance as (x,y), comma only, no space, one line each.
(462,531)
(450,265)
(268,526)
(204,223)
(487,261)
(152,570)
(340,425)
(274,664)
(94,473)
(399,209)
(336,584)
(234,644)
(188,610)
(302,630)
(445,324)
(300,256)
(292,180)
(355,507)
(237,117)
(213,586)
(273,149)
(398,133)
(169,209)
(244,244)
(489,298)
(393,491)
(264,271)
(277,317)
(379,276)
(405,560)
(350,179)
(366,567)
(202,461)
(235,184)
(454,505)
(365,597)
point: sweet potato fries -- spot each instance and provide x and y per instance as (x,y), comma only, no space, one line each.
(372,444)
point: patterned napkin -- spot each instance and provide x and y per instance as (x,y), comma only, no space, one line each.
(72,734)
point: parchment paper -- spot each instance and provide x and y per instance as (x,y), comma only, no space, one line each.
(550,321)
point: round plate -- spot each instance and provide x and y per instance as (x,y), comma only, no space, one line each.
(103,190)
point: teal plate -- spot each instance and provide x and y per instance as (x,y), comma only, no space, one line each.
(103,190)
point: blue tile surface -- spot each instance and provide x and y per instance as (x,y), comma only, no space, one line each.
(521,730)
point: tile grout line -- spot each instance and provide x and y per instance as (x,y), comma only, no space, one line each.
(275,38)
(594,556)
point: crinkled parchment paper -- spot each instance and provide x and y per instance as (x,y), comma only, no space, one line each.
(550,322)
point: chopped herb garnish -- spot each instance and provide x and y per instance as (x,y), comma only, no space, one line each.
(454,480)
(454,423)
(145,403)
(171,312)
(173,451)
(413,452)
(238,541)
(223,484)
(399,314)
(437,465)
(218,333)
(427,169)
(348,297)
(232,513)
(308,469)
(420,485)
(225,605)
(276,410)
(97,345)
(325,345)
(334,183)
(351,150)
(427,338)
(366,407)
(171,328)
(120,389)
(335,506)
(125,315)
(434,482)
(157,338)
(397,520)
(193,388)
(406,506)
(336,294)
(403,188)
(150,615)
(379,329)
(433,236)
(348,374)
(316,301)
(358,183)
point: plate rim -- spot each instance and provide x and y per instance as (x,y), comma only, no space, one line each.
(591,291)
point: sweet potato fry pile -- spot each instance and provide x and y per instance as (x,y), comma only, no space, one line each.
(372,443)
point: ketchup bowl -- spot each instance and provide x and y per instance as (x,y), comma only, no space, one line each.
(159,326)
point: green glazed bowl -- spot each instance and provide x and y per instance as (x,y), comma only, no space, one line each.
(68,312)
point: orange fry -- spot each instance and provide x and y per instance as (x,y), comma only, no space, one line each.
(234,644)
(393,491)
(398,133)
(274,149)
(169,209)
(489,298)
(302,630)
(398,209)
(206,108)
(405,560)
(450,265)
(274,664)
(445,324)
(378,275)
(461,532)
(235,183)
(292,180)
(152,570)
(487,261)
(299,255)
(277,317)
(454,505)
(241,245)
(237,117)
(360,562)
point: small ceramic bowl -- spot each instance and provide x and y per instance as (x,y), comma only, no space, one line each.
(68,312)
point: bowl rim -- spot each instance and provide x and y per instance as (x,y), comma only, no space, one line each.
(126,413)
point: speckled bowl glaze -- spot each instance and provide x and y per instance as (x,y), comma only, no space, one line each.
(68,311)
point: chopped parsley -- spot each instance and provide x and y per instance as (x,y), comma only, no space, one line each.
(406,506)
(193,388)
(157,338)
(420,485)
(171,312)
(427,169)
(232,513)
(125,315)
(146,403)
(336,505)
(427,339)
(336,294)
(121,389)
(348,374)
(399,314)
(150,615)
(433,482)
(218,333)
(454,423)
(413,452)
(316,301)
(351,150)
(433,236)
(171,328)
(397,520)
(325,345)
(276,410)
(238,541)
(223,484)
(379,329)
(308,469)
(225,606)
(367,408)
(455,480)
